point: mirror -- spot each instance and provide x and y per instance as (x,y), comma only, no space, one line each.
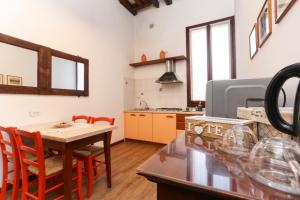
(18,66)
(28,68)
(67,74)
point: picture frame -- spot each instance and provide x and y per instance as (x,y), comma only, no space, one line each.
(264,23)
(282,7)
(1,79)
(253,41)
(14,80)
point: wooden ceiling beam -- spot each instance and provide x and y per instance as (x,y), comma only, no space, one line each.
(128,6)
(155,3)
(135,6)
(139,2)
(168,2)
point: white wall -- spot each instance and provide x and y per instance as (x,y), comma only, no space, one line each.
(280,50)
(169,34)
(101,31)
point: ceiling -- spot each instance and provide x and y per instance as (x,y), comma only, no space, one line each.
(135,6)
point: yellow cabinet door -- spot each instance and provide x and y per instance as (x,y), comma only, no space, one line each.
(164,128)
(145,127)
(131,125)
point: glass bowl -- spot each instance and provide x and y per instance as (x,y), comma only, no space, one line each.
(237,141)
(274,162)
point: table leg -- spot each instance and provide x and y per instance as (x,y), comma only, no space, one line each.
(107,158)
(67,171)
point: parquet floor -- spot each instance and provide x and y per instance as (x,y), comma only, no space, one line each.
(127,185)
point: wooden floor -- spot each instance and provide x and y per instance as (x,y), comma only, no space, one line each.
(126,184)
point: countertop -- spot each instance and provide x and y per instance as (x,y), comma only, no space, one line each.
(191,162)
(164,112)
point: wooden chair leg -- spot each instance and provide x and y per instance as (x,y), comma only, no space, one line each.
(96,173)
(79,180)
(4,179)
(4,187)
(89,176)
(15,188)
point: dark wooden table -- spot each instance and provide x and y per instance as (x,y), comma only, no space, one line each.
(190,168)
(69,139)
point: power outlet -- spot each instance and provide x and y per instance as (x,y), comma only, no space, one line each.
(34,114)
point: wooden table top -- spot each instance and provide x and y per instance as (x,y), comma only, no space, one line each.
(192,162)
(76,132)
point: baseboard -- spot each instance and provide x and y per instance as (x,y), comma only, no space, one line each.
(145,142)
(118,142)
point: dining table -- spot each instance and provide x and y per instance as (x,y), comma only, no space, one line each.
(67,139)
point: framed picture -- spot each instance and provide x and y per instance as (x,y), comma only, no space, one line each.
(282,7)
(264,22)
(253,42)
(14,80)
(1,79)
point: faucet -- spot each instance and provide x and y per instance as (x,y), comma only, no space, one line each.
(146,107)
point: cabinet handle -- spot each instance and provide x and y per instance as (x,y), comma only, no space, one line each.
(170,116)
(142,115)
(132,115)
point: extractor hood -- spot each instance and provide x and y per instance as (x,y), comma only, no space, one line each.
(170,75)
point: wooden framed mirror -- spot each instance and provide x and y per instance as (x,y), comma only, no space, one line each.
(28,68)
(19,59)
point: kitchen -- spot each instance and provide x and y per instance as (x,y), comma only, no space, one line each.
(111,38)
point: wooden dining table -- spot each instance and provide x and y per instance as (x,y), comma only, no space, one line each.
(68,139)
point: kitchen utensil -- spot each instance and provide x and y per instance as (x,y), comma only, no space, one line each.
(275,162)
(271,101)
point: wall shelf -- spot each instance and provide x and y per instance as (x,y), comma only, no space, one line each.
(158,61)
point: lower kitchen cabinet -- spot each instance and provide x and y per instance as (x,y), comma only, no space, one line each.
(154,127)
(138,126)
(131,125)
(145,127)
(164,128)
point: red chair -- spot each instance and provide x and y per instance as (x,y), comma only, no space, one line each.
(84,118)
(9,155)
(90,153)
(44,169)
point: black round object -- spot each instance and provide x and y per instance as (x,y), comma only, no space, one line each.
(271,101)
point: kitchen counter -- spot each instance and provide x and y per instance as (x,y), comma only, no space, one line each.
(190,168)
(164,112)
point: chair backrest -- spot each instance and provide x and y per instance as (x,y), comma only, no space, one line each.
(111,121)
(36,151)
(85,118)
(9,154)
(8,146)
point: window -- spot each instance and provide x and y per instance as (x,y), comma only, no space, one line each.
(211,56)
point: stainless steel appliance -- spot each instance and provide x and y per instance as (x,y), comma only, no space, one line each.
(170,75)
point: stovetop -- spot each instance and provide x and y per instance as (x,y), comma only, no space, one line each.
(169,109)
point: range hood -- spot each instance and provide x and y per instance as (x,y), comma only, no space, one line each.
(170,76)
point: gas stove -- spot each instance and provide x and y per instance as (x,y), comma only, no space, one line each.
(169,109)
